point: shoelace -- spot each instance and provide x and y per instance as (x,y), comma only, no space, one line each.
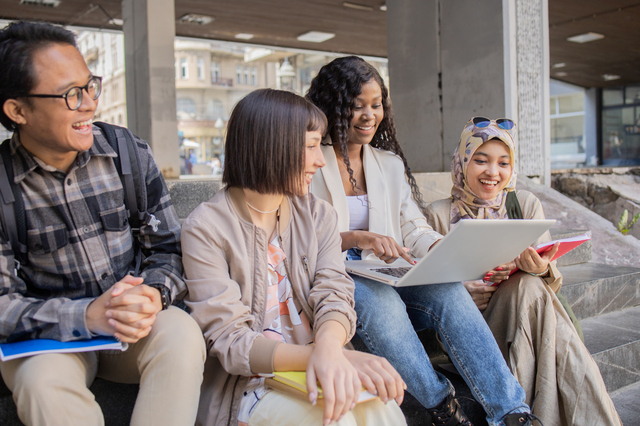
(449,413)
(527,418)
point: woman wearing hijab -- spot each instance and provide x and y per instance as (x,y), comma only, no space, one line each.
(532,328)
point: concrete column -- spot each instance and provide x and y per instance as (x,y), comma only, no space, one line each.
(591,125)
(149,32)
(450,61)
(413,46)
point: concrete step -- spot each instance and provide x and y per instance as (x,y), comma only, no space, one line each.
(627,402)
(613,340)
(593,288)
(581,254)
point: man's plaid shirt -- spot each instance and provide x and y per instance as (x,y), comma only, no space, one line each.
(80,243)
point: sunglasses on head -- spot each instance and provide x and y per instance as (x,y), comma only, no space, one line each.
(483,122)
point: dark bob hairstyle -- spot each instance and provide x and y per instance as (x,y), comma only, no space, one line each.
(18,43)
(264,149)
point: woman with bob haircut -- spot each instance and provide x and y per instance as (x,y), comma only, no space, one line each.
(369,183)
(267,284)
(534,331)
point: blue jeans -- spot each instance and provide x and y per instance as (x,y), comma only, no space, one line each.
(388,318)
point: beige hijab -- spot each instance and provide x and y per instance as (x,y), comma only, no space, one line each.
(466,204)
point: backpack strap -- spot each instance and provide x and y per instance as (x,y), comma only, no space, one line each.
(513,206)
(128,165)
(14,219)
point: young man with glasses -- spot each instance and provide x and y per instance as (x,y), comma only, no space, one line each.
(76,283)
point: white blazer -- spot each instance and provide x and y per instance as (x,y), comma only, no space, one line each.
(392,211)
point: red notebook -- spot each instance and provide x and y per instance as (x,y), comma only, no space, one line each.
(566,245)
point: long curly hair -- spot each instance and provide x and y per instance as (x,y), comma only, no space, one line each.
(335,89)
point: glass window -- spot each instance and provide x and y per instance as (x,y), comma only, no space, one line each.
(246,75)
(254,76)
(186,105)
(200,68)
(184,68)
(239,74)
(215,72)
(628,116)
(567,129)
(620,137)
(612,96)
(571,103)
(215,109)
(632,95)
(552,106)
(114,54)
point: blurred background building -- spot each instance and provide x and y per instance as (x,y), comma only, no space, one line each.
(210,77)
(568,71)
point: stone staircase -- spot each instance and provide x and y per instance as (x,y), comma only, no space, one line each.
(605,298)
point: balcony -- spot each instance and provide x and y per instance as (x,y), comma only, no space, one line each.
(224,82)
(91,55)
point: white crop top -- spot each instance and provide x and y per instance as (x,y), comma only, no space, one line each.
(358,212)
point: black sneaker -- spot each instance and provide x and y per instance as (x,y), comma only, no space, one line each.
(448,413)
(520,419)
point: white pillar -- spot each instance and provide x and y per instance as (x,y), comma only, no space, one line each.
(149,33)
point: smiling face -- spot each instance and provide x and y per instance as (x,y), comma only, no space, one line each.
(48,129)
(490,169)
(313,159)
(367,114)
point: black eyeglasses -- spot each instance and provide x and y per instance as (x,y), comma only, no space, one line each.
(503,123)
(73,96)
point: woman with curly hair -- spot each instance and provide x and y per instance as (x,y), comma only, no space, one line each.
(369,183)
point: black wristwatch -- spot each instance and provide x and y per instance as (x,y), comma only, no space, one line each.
(165,295)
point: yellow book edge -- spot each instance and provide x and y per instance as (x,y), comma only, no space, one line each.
(294,383)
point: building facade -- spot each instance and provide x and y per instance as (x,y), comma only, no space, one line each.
(104,53)
(210,78)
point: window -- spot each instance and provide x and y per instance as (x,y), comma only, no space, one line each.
(632,94)
(215,109)
(568,147)
(184,68)
(186,107)
(612,96)
(200,68)
(246,75)
(114,53)
(239,74)
(215,72)
(254,76)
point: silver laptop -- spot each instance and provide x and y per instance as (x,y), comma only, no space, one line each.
(467,252)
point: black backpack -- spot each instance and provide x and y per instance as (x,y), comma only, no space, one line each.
(128,165)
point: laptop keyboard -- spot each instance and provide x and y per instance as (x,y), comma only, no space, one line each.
(398,272)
